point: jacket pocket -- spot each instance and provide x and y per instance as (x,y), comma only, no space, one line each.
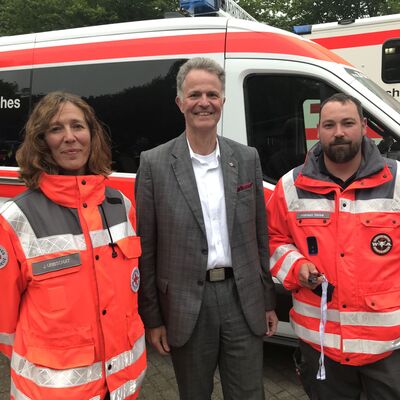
(130,247)
(380,220)
(62,350)
(383,301)
(135,327)
(162,285)
(313,222)
(54,267)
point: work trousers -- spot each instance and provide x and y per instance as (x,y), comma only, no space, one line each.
(221,338)
(377,381)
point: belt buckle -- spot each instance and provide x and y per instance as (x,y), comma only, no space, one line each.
(217,274)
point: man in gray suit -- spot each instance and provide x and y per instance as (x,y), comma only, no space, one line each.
(206,294)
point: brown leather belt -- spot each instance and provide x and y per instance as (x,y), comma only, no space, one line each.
(219,274)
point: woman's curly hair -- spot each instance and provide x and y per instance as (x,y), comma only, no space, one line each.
(34,155)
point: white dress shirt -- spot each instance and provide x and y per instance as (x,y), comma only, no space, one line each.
(210,185)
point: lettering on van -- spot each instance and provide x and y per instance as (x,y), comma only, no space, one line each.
(9,103)
(394,92)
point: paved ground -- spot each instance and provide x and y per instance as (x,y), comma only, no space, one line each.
(280,381)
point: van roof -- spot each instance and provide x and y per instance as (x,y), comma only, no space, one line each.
(154,38)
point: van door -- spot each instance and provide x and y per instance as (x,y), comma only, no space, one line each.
(273,105)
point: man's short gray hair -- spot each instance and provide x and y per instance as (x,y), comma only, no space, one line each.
(202,63)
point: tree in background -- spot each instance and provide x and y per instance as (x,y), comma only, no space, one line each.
(287,13)
(26,16)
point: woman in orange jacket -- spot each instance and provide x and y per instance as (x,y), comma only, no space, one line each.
(69,265)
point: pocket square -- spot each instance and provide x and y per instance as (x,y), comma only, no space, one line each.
(244,186)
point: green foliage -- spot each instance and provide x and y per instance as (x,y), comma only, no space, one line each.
(287,13)
(26,16)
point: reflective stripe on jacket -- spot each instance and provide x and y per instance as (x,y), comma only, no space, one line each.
(69,319)
(357,236)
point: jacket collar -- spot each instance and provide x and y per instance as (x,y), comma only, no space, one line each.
(72,191)
(373,170)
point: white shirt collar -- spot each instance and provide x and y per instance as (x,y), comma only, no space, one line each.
(199,157)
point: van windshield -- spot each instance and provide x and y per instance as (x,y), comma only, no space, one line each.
(375,89)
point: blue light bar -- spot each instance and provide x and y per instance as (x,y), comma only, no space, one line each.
(302,29)
(199,6)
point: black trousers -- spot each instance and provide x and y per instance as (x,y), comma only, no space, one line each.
(376,381)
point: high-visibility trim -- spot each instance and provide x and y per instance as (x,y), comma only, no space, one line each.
(294,203)
(120,231)
(7,338)
(279,252)
(126,358)
(287,264)
(17,394)
(381,319)
(95,398)
(370,346)
(52,378)
(330,339)
(33,246)
(128,388)
(357,40)
(308,310)
(351,318)
(128,206)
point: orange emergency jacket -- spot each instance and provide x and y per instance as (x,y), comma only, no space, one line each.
(353,237)
(68,281)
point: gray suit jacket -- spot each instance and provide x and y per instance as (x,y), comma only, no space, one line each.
(174,245)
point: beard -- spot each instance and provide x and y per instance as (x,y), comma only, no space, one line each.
(341,150)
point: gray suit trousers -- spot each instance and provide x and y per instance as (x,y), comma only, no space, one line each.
(220,338)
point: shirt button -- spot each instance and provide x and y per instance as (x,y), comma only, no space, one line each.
(341,254)
(344,204)
(83,182)
(347,359)
(96,257)
(84,205)
(109,367)
(104,312)
(344,305)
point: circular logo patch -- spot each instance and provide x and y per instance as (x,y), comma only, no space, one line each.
(381,244)
(3,257)
(135,279)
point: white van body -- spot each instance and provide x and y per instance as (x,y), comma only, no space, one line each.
(370,44)
(275,81)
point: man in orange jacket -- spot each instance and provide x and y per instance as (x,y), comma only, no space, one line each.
(334,240)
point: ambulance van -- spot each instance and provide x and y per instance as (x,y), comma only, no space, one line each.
(275,81)
(371,44)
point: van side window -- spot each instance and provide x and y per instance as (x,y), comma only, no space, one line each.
(14,108)
(136,101)
(391,61)
(281,118)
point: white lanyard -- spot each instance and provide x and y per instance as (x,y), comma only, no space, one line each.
(321,375)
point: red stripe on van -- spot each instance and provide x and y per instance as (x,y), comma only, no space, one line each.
(146,47)
(237,42)
(269,42)
(312,134)
(358,40)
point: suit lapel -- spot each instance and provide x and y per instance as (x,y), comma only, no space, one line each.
(230,171)
(183,169)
